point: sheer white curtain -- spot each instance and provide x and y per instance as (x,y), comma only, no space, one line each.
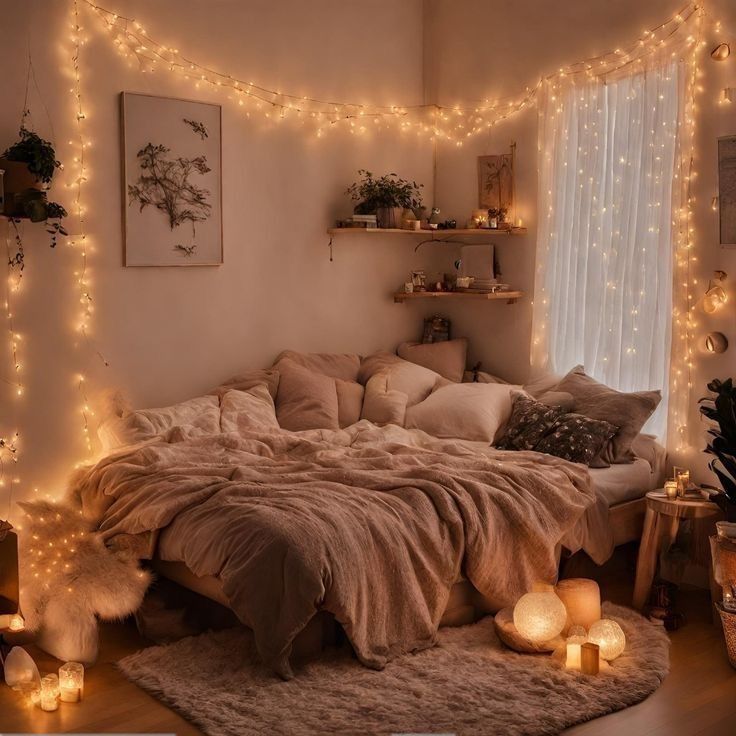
(603,296)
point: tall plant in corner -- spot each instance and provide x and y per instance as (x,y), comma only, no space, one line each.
(721,409)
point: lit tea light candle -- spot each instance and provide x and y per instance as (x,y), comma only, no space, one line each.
(582,599)
(670,489)
(71,682)
(49,693)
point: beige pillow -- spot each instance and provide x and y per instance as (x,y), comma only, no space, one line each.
(382,405)
(541,384)
(251,410)
(305,399)
(344,366)
(446,358)
(562,399)
(628,411)
(468,411)
(349,402)
(193,417)
(248,379)
(401,375)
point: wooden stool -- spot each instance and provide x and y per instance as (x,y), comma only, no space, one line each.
(661,524)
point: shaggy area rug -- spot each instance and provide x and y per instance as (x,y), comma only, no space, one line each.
(469,684)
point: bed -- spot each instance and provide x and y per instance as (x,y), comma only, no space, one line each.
(386,529)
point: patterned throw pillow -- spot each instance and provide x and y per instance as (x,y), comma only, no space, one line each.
(530,420)
(577,438)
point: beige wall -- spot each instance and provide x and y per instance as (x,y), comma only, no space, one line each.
(171,333)
(487,49)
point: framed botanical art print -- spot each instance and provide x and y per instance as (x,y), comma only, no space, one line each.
(496,181)
(172,181)
(727,189)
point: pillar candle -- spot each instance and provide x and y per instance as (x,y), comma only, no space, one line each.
(573,656)
(589,658)
(582,599)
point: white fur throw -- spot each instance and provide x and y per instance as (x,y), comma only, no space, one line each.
(70,578)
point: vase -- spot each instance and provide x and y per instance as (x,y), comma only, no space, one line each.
(420,213)
(389,217)
(728,620)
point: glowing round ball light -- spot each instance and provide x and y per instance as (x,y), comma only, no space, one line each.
(540,616)
(609,636)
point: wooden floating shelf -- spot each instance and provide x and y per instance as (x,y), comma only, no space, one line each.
(509,296)
(433,234)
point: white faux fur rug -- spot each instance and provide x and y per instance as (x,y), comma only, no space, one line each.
(469,684)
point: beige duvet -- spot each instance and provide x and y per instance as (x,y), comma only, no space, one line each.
(371,524)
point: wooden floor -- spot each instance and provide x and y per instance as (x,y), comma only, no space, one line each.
(698,698)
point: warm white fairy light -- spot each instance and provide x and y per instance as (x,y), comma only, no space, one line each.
(453,124)
(80,240)
(12,287)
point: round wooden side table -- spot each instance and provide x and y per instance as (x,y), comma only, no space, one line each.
(661,524)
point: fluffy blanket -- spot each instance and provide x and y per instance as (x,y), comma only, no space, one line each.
(371,524)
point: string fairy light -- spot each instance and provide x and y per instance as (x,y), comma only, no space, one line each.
(454,124)
(80,240)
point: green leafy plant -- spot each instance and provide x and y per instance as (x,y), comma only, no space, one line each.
(388,190)
(36,153)
(721,409)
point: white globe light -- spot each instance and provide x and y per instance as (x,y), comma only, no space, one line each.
(540,617)
(609,636)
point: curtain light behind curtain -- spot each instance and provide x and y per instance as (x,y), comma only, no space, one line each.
(607,159)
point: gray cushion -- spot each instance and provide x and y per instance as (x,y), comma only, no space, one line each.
(628,411)
(577,438)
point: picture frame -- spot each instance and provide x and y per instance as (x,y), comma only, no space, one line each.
(171,181)
(727,190)
(496,181)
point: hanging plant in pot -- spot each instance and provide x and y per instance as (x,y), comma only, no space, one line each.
(721,409)
(387,197)
(29,165)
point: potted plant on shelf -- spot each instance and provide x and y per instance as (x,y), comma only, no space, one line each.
(721,409)
(387,197)
(29,165)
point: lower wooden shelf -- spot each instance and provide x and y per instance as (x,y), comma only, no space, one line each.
(509,296)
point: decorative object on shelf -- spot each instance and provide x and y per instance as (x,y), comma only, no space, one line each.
(436,329)
(609,636)
(420,212)
(366,222)
(720,409)
(479,219)
(496,180)
(715,296)
(71,682)
(582,599)
(726,189)
(716,342)
(721,52)
(408,287)
(172,181)
(540,616)
(412,224)
(497,218)
(590,658)
(419,280)
(387,196)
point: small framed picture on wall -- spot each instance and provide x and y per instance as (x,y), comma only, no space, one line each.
(172,181)
(727,189)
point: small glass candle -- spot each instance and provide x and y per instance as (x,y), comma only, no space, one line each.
(683,481)
(49,692)
(71,682)
(670,489)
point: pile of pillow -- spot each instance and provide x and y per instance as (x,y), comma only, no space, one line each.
(423,387)
(601,430)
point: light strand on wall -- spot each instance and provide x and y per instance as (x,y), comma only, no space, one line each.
(454,124)
(80,240)
(12,287)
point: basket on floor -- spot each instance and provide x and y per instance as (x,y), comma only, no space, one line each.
(729,631)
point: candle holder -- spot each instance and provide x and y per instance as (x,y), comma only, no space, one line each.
(682,476)
(49,693)
(670,489)
(71,682)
